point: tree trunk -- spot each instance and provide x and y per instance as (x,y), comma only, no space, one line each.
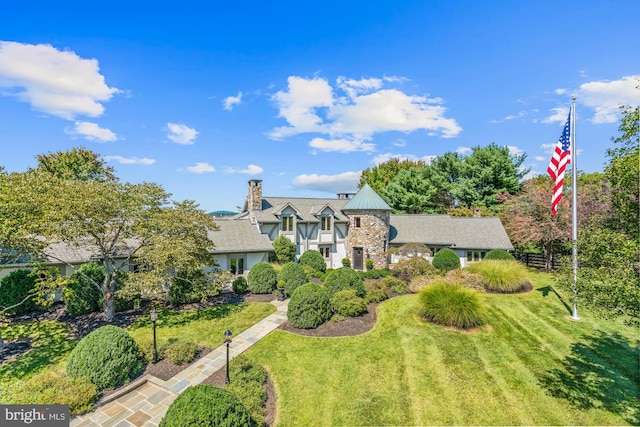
(1,344)
(548,256)
(109,305)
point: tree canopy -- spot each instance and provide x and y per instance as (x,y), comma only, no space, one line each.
(78,163)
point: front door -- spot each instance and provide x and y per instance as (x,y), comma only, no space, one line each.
(357,258)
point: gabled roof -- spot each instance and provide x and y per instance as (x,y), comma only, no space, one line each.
(277,210)
(443,230)
(367,199)
(307,209)
(238,236)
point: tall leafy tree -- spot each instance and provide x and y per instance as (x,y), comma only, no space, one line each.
(116,224)
(78,163)
(486,173)
(381,175)
(417,190)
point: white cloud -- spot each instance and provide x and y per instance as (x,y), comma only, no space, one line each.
(399,143)
(250,170)
(91,132)
(310,105)
(540,158)
(230,101)
(514,151)
(130,160)
(520,115)
(606,96)
(381,158)
(53,81)
(340,145)
(181,134)
(463,150)
(341,183)
(560,91)
(201,167)
(559,115)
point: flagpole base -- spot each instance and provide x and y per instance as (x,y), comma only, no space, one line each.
(576,318)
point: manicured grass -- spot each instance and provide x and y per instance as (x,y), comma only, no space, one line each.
(530,365)
(204,327)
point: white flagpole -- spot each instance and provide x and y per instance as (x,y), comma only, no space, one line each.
(574,212)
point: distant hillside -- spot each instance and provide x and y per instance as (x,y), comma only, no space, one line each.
(218,214)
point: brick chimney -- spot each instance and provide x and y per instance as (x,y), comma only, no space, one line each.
(254,195)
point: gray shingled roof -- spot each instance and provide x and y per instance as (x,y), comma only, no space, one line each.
(307,208)
(443,230)
(367,199)
(239,236)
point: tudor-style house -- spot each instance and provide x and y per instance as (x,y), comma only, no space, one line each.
(360,226)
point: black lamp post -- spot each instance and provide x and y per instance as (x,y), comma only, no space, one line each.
(154,317)
(227,341)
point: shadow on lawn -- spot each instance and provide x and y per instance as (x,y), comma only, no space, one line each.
(179,318)
(545,292)
(600,372)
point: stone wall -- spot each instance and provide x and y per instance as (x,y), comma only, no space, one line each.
(371,236)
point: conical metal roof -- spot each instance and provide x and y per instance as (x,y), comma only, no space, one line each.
(367,199)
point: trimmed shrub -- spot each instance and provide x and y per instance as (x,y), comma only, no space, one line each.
(466,278)
(52,387)
(107,357)
(446,259)
(346,262)
(346,303)
(239,285)
(408,268)
(376,291)
(16,287)
(206,405)
(178,351)
(285,249)
(449,304)
(344,278)
(293,276)
(262,278)
(398,286)
(80,295)
(376,274)
(499,254)
(369,264)
(247,382)
(500,275)
(309,306)
(314,259)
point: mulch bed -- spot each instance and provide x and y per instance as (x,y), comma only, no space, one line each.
(346,327)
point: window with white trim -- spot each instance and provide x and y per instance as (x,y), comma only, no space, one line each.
(287,223)
(325,223)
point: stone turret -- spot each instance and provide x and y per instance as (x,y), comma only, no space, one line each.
(368,235)
(254,195)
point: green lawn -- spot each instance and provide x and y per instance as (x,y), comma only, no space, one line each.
(530,365)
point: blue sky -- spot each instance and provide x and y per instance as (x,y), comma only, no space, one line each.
(200,97)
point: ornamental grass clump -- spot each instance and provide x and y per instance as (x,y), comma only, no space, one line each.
(449,304)
(309,306)
(500,275)
(205,405)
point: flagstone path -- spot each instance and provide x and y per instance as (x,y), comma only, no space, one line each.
(145,401)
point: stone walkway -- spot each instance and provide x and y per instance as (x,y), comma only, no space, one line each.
(145,401)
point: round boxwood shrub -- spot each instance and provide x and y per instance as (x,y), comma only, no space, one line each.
(501,275)
(206,405)
(499,254)
(347,303)
(16,287)
(309,306)
(81,296)
(446,259)
(239,285)
(107,356)
(262,278)
(344,278)
(450,304)
(314,259)
(293,276)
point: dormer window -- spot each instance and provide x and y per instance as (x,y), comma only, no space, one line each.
(325,223)
(287,223)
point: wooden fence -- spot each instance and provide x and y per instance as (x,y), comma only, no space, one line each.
(536,260)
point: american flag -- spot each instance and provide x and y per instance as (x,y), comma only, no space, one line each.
(559,161)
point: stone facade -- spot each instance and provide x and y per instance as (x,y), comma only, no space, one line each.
(254,195)
(372,236)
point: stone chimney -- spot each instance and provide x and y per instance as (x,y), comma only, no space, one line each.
(254,195)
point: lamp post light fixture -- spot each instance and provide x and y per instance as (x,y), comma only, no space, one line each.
(154,317)
(227,341)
